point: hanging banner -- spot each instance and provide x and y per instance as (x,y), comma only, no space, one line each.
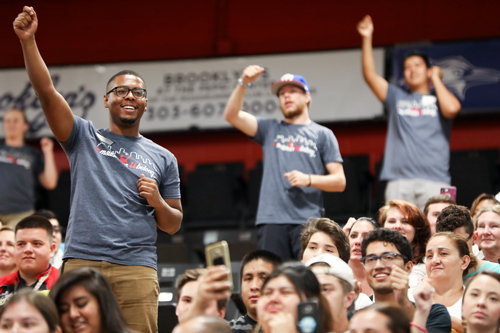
(193,93)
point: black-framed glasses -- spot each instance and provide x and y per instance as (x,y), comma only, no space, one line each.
(387,259)
(122,91)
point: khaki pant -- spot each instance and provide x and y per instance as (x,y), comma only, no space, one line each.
(135,287)
(416,191)
(12,219)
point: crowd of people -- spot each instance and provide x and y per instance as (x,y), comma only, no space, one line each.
(426,265)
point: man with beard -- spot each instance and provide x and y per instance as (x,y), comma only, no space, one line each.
(301,159)
(122,185)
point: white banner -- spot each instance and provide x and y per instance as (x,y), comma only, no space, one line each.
(193,93)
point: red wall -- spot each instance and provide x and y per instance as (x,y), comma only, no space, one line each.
(91,31)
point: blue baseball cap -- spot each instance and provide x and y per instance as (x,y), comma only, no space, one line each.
(297,80)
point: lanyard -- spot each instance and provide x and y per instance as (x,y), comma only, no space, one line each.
(39,283)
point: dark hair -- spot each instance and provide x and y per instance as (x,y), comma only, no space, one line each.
(6,228)
(397,319)
(375,224)
(36,222)
(388,236)
(442,198)
(417,220)
(462,247)
(307,287)
(48,214)
(23,113)
(266,256)
(38,300)
(482,197)
(124,72)
(454,217)
(112,319)
(332,229)
(193,275)
(417,53)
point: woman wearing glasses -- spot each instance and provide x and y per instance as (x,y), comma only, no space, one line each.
(409,221)
(447,260)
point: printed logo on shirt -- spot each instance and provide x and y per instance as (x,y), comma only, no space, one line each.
(132,160)
(426,107)
(16,158)
(296,144)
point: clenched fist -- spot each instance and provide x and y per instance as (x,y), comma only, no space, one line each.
(26,23)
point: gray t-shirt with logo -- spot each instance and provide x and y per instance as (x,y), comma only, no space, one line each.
(418,138)
(287,147)
(108,219)
(20,168)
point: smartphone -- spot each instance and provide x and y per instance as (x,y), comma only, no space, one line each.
(308,317)
(451,191)
(218,254)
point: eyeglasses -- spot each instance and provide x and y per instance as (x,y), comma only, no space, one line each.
(387,259)
(123,92)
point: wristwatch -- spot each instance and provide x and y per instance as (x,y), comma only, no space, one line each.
(240,82)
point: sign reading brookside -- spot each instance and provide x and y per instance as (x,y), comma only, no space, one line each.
(193,93)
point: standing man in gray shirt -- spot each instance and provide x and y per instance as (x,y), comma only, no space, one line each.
(122,186)
(417,151)
(301,159)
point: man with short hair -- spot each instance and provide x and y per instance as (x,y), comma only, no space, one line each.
(387,258)
(337,283)
(33,250)
(187,291)
(301,159)
(57,259)
(322,235)
(457,219)
(123,186)
(256,266)
(434,206)
(417,151)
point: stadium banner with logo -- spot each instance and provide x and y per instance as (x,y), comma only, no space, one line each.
(192,93)
(471,71)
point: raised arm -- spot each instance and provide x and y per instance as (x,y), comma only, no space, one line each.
(376,82)
(448,103)
(48,178)
(244,121)
(55,108)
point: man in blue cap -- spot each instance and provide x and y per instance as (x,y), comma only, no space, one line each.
(301,159)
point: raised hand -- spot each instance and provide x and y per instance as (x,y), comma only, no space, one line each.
(149,190)
(365,27)
(423,296)
(26,23)
(400,284)
(297,178)
(437,73)
(47,145)
(348,225)
(251,73)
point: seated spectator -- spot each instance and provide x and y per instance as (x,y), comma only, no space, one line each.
(322,235)
(357,232)
(481,306)
(255,267)
(86,303)
(7,243)
(29,311)
(337,285)
(406,218)
(57,259)
(282,292)
(387,259)
(447,261)
(203,324)
(457,219)
(187,289)
(434,206)
(488,232)
(33,250)
(482,201)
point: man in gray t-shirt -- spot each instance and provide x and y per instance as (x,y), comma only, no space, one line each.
(417,150)
(122,185)
(301,159)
